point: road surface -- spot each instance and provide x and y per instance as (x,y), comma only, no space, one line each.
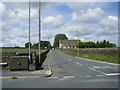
(71,72)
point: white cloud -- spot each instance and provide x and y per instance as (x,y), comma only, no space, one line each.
(89,15)
(53,21)
(110,22)
(75,6)
(77,29)
(92,24)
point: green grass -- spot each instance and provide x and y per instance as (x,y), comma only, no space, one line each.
(20,50)
(95,56)
(13,77)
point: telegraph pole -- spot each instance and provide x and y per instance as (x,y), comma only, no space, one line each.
(29,36)
(78,47)
(39,28)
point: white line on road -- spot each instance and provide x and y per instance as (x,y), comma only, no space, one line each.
(74,62)
(69,77)
(97,71)
(53,77)
(77,63)
(69,60)
(99,75)
(85,76)
(112,74)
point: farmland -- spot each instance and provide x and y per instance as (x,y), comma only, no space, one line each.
(20,50)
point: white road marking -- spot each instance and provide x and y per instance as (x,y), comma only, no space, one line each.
(85,76)
(69,77)
(61,79)
(96,67)
(107,66)
(99,75)
(74,62)
(97,71)
(103,67)
(69,60)
(112,74)
(53,77)
(77,63)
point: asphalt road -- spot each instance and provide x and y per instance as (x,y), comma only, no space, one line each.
(70,72)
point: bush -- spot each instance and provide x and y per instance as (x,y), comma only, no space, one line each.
(90,44)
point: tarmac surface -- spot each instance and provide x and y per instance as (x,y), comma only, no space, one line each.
(44,72)
(65,71)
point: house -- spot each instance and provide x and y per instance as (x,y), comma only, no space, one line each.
(68,43)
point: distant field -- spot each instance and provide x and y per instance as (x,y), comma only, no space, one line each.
(20,50)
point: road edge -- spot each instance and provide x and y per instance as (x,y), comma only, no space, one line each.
(97,61)
(49,72)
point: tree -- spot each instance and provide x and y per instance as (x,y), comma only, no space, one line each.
(81,45)
(35,45)
(90,44)
(97,45)
(27,44)
(59,37)
(43,45)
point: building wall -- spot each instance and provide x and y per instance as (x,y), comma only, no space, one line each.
(68,43)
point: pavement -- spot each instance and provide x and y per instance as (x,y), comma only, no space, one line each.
(45,72)
(70,72)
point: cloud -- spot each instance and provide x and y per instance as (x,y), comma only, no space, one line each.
(110,22)
(77,29)
(90,22)
(53,21)
(15,24)
(75,6)
(89,15)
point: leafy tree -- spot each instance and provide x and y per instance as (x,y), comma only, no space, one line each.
(90,44)
(16,47)
(27,44)
(35,45)
(59,37)
(80,45)
(43,44)
(97,45)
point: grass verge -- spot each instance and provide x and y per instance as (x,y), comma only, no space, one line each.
(20,50)
(96,57)
(14,77)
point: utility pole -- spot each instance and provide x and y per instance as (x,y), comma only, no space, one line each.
(39,28)
(29,36)
(78,47)
(49,43)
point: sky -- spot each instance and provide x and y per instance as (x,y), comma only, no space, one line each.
(86,21)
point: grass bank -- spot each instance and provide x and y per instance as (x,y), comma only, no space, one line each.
(95,56)
(20,50)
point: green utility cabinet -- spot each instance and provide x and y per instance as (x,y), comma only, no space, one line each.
(19,63)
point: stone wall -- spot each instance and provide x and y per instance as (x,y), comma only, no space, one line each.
(106,51)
